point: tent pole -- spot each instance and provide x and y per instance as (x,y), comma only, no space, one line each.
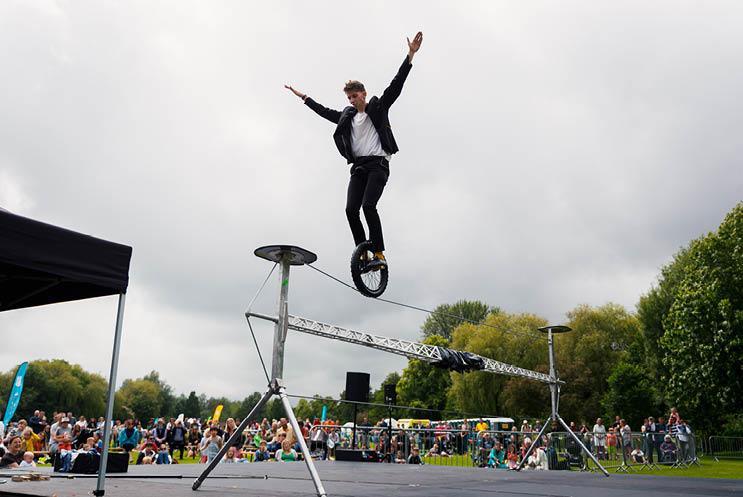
(99,488)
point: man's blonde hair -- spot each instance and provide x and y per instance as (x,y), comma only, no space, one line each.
(353,85)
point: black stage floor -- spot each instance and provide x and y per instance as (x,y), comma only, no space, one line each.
(372,480)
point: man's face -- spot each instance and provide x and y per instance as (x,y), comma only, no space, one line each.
(357,99)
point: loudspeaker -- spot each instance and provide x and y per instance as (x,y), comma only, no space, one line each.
(357,387)
(390,393)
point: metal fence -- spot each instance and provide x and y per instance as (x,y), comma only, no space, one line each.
(725,447)
(622,452)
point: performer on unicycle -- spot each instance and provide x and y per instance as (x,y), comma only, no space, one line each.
(364,138)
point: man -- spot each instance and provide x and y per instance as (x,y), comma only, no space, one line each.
(364,138)
(58,434)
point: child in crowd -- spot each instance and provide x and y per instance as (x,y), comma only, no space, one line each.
(497,457)
(415,457)
(230,457)
(611,444)
(65,453)
(638,456)
(512,457)
(399,458)
(262,454)
(28,460)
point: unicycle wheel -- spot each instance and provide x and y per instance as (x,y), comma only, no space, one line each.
(371,283)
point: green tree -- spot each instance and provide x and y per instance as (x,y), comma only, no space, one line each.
(423,385)
(138,399)
(192,406)
(509,338)
(378,412)
(630,394)
(446,317)
(703,340)
(601,338)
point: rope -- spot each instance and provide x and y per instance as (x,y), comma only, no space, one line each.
(433,314)
(250,306)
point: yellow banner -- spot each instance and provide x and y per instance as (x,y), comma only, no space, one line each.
(217,412)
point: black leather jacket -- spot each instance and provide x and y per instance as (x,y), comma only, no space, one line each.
(378,110)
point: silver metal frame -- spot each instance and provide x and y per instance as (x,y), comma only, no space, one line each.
(554,385)
(413,350)
(286,256)
(101,481)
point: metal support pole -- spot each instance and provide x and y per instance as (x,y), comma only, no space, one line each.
(533,445)
(353,433)
(282,325)
(101,482)
(235,435)
(588,452)
(305,451)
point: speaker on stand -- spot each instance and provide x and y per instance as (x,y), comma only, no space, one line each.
(357,390)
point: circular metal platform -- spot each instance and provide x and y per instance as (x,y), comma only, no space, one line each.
(297,255)
(555,329)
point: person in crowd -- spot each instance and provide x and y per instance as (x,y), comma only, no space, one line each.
(262,454)
(28,460)
(211,444)
(65,453)
(286,453)
(399,457)
(229,429)
(625,433)
(661,429)
(683,432)
(599,439)
(163,455)
(129,437)
(160,432)
(415,456)
(177,438)
(637,456)
(193,440)
(30,440)
(611,444)
(497,457)
(537,460)
(148,449)
(58,434)
(35,422)
(230,456)
(673,420)
(512,457)
(435,450)
(13,453)
(668,449)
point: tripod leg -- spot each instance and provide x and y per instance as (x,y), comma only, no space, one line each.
(266,396)
(580,444)
(302,443)
(533,446)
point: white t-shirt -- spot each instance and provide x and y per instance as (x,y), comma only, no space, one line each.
(364,138)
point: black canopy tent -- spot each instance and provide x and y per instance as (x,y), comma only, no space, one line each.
(43,264)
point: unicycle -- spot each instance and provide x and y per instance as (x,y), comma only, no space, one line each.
(370,282)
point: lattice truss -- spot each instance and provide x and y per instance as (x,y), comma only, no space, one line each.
(413,350)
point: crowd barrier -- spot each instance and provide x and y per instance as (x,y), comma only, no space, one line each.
(634,451)
(725,447)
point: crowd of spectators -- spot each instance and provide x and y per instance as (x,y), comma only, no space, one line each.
(169,440)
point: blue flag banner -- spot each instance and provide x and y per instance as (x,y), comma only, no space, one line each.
(15,393)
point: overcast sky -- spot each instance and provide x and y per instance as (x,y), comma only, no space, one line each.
(551,154)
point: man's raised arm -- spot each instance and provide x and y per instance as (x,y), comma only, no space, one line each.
(331,115)
(395,88)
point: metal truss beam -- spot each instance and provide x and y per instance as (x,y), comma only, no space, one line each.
(413,350)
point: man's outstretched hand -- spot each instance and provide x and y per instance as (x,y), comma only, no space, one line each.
(297,93)
(415,45)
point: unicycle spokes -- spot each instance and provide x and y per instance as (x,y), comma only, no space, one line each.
(370,279)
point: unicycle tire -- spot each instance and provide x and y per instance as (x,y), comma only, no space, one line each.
(368,283)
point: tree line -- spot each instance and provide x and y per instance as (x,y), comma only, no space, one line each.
(682,347)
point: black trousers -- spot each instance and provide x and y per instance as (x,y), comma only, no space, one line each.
(368,178)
